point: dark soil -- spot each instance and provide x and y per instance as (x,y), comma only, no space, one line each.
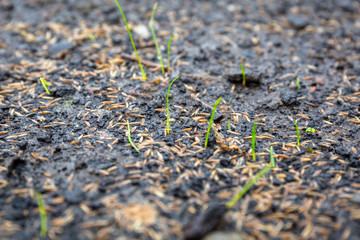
(72,145)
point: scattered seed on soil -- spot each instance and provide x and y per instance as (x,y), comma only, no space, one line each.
(71,145)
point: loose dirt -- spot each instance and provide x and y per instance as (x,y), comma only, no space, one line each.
(72,145)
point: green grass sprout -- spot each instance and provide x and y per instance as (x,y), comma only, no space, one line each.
(298,83)
(247,187)
(131,39)
(42,212)
(310,130)
(167,106)
(253,141)
(129,136)
(297,133)
(92,37)
(154,37)
(168,51)
(45,83)
(310,149)
(243,73)
(211,121)
(272,159)
(229,126)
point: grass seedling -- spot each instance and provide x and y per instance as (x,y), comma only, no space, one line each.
(253,141)
(129,136)
(297,133)
(272,159)
(131,39)
(247,187)
(45,84)
(310,149)
(167,106)
(211,121)
(92,37)
(168,51)
(243,73)
(154,37)
(298,83)
(229,126)
(42,212)
(310,130)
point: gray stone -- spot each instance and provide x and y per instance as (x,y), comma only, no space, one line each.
(60,47)
(298,22)
(74,197)
(356,198)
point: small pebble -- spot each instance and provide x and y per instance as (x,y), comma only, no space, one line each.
(298,22)
(59,47)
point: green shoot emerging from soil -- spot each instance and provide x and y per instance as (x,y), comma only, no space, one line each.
(253,140)
(247,187)
(229,126)
(243,73)
(168,51)
(154,37)
(43,217)
(310,130)
(167,106)
(45,83)
(211,121)
(298,83)
(92,37)
(297,133)
(129,136)
(272,159)
(131,39)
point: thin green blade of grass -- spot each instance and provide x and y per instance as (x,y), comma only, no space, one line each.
(211,120)
(229,125)
(167,106)
(129,136)
(131,39)
(168,51)
(272,159)
(154,37)
(42,212)
(297,133)
(298,83)
(247,187)
(45,84)
(243,73)
(253,141)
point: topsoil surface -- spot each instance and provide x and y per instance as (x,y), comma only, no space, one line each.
(72,145)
